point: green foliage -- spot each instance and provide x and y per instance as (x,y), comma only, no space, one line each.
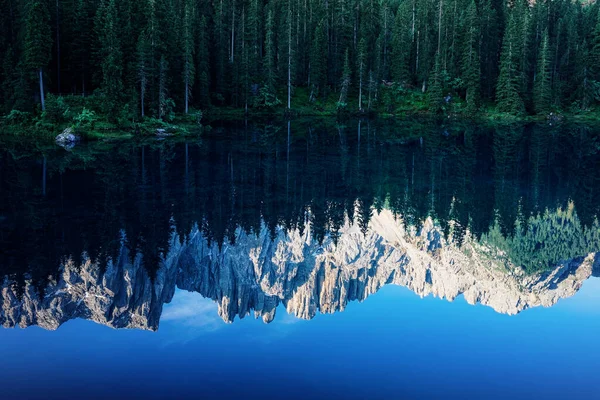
(436,88)
(16,117)
(345,83)
(270,54)
(38,38)
(267,99)
(318,62)
(508,97)
(401,43)
(85,119)
(57,110)
(542,90)
(168,109)
(545,239)
(520,56)
(471,62)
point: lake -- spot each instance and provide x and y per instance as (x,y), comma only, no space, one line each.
(304,260)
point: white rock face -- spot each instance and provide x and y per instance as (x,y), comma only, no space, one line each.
(257,274)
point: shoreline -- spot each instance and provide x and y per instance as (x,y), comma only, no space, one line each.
(182,125)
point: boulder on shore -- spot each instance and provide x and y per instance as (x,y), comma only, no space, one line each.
(67,138)
(160,132)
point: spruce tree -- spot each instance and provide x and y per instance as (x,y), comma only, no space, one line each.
(508,98)
(143,57)
(471,71)
(80,53)
(318,62)
(270,53)
(111,55)
(38,42)
(542,90)
(202,63)
(188,47)
(595,52)
(362,58)
(435,92)
(345,83)
(401,43)
(491,43)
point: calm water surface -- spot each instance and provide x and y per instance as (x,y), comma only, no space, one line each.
(310,260)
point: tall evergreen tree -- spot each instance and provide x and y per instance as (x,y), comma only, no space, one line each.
(143,55)
(362,56)
(188,51)
(401,43)
(542,90)
(203,65)
(471,63)
(107,24)
(435,92)
(38,41)
(318,62)
(508,97)
(270,53)
(345,83)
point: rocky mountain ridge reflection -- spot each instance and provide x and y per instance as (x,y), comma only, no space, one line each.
(254,218)
(258,273)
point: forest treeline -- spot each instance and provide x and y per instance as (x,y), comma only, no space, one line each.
(156,57)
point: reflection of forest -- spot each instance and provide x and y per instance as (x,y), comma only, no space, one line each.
(55,204)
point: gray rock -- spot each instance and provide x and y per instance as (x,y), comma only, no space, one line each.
(67,139)
(160,132)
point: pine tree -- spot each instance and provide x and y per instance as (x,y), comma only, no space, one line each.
(203,66)
(38,42)
(270,50)
(345,84)
(111,55)
(362,56)
(253,40)
(435,92)
(491,42)
(81,43)
(143,55)
(508,98)
(318,62)
(188,51)
(220,45)
(471,70)
(595,52)
(401,43)
(542,90)
(163,78)
(289,54)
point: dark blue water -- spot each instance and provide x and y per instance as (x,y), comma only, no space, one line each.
(357,261)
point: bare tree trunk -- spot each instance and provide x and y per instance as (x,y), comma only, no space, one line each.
(360,84)
(417,55)
(187,95)
(142,95)
(58,46)
(42,90)
(289,102)
(440,28)
(232,31)
(44,172)
(414,16)
(370,89)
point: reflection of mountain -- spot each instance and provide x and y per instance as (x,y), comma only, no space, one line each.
(258,273)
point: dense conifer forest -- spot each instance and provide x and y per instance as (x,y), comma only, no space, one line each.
(129,59)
